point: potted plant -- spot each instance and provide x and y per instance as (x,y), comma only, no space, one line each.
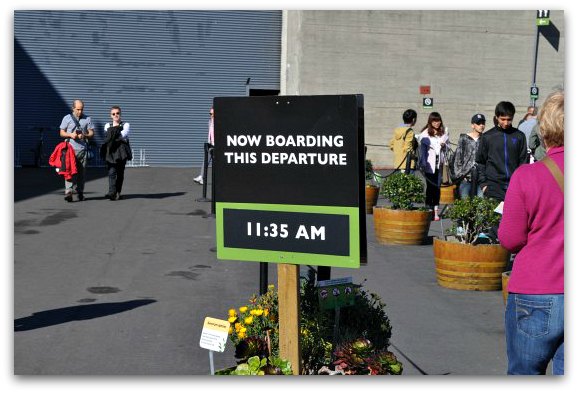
(401,222)
(462,262)
(371,187)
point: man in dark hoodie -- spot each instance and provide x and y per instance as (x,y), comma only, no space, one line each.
(501,151)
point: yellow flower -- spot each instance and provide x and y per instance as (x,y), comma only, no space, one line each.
(230,330)
(232,312)
(252,312)
(271,286)
(241,335)
(238,326)
(258,312)
(248,320)
(243,309)
(243,330)
(266,312)
(232,319)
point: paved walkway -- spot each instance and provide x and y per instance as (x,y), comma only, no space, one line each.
(122,288)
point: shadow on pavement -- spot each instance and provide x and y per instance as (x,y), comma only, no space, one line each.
(76,313)
(160,195)
(34,182)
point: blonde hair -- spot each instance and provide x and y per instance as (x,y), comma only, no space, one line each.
(551,119)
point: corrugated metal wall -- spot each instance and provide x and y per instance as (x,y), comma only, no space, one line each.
(162,67)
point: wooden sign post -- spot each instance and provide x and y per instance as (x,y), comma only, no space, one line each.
(289,344)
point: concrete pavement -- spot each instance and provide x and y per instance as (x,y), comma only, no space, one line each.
(122,288)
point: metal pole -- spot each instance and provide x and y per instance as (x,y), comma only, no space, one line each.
(323,273)
(533,100)
(336,326)
(205,169)
(211,363)
(211,153)
(263,277)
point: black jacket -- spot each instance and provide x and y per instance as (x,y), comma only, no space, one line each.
(115,148)
(500,153)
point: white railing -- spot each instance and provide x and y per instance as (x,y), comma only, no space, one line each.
(138,160)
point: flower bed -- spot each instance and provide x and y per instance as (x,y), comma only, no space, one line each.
(360,346)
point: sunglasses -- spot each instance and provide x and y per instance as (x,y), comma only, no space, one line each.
(115,113)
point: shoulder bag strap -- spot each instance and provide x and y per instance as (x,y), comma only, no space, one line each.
(407,132)
(76,122)
(555,171)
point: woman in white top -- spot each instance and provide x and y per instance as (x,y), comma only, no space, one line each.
(433,139)
(116,152)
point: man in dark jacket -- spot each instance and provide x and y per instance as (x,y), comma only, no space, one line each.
(502,149)
(116,152)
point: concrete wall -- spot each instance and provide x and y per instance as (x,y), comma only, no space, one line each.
(471,59)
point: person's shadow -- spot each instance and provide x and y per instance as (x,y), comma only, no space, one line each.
(75,313)
(160,195)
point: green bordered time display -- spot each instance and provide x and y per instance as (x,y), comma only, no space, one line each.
(321,235)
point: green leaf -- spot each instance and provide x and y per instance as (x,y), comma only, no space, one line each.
(254,363)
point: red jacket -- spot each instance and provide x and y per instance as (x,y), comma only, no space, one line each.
(69,168)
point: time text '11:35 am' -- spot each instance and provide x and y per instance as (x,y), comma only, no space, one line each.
(314,233)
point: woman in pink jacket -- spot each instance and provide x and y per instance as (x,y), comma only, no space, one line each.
(532,226)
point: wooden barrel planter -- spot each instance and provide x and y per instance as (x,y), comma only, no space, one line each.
(447,194)
(470,268)
(400,226)
(371,194)
(505,279)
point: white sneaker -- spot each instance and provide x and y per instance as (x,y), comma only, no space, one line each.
(198,179)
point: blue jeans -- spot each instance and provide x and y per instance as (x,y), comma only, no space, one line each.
(535,333)
(465,188)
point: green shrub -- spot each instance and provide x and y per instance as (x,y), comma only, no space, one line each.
(403,190)
(472,216)
(368,170)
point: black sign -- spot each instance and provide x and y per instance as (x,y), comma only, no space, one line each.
(289,179)
(266,153)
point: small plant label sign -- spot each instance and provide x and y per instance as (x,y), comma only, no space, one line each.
(336,293)
(214,334)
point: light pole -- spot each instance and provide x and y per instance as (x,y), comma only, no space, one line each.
(542,19)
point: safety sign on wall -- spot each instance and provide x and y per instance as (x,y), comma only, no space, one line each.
(289,180)
(427,102)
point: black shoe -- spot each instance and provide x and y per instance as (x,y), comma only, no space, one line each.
(81,196)
(109,196)
(68,197)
